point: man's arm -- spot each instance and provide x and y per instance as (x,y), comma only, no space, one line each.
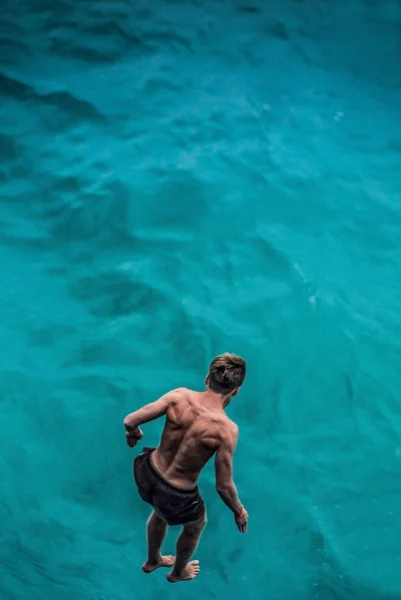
(224,478)
(147,413)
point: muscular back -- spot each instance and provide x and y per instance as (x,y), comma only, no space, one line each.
(193,432)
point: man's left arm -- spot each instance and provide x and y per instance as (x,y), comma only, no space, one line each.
(147,413)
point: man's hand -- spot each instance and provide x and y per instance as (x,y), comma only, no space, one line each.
(241,520)
(134,436)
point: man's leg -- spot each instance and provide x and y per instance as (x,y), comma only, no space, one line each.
(186,546)
(156,533)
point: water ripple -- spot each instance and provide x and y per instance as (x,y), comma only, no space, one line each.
(72,107)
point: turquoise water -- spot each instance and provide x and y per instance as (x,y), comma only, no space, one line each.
(179,180)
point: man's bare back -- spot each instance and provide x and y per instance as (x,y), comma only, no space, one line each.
(196,428)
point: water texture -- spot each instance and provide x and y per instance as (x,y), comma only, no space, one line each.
(180,179)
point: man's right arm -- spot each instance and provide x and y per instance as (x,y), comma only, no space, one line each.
(147,413)
(224,478)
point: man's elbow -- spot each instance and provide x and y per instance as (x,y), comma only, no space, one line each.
(129,423)
(224,487)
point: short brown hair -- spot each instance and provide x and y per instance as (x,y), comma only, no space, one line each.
(226,373)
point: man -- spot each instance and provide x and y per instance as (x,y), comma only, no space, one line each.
(196,428)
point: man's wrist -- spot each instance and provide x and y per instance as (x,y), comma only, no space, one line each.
(131,428)
(133,434)
(240,512)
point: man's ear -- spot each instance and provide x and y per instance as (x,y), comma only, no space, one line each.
(207,379)
(235,392)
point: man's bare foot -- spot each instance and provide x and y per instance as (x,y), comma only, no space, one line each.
(164,561)
(190,572)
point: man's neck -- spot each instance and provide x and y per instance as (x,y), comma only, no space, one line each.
(215,399)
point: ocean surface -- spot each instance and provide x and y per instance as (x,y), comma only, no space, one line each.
(180,179)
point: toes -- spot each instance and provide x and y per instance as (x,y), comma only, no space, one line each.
(195,568)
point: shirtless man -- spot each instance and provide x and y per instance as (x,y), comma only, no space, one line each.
(196,428)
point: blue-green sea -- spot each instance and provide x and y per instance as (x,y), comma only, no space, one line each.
(180,179)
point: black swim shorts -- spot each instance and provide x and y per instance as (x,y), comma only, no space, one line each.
(176,505)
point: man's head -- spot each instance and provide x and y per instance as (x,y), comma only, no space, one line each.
(226,374)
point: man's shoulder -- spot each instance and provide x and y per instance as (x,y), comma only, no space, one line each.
(178,390)
(181,391)
(178,394)
(230,429)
